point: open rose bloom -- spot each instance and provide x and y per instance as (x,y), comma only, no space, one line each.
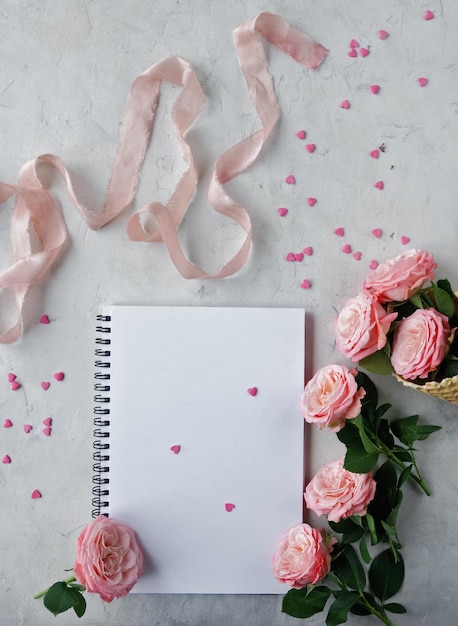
(109,560)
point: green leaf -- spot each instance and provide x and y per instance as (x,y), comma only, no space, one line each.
(402,454)
(404,475)
(349,435)
(386,479)
(338,612)
(378,363)
(405,429)
(360,609)
(444,284)
(424,430)
(372,528)
(348,569)
(450,368)
(383,433)
(300,603)
(369,446)
(79,602)
(371,396)
(359,461)
(394,607)
(364,551)
(392,517)
(444,301)
(59,598)
(344,526)
(353,535)
(385,575)
(417,301)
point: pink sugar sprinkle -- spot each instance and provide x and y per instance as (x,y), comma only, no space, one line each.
(311,201)
(382,34)
(374,89)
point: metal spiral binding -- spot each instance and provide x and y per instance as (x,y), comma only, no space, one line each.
(101,454)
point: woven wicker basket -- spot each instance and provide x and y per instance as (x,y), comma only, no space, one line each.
(446,389)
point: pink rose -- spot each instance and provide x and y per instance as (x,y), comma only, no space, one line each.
(361,326)
(420,343)
(399,278)
(108,561)
(338,493)
(303,556)
(331,397)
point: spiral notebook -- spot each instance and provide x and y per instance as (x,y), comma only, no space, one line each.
(199,440)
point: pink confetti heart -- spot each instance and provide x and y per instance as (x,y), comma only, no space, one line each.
(311,201)
(59,376)
(310,147)
(352,53)
(354,43)
(27,428)
(282,211)
(175,449)
(375,89)
(7,423)
(422,82)
(229,506)
(357,256)
(308,250)
(11,377)
(252,391)
(290,180)
(377,233)
(6,459)
(345,104)
(382,34)
(45,385)
(290,257)
(379,184)
(15,385)
(429,15)
(340,232)
(347,248)
(374,154)
(364,52)
(301,134)
(36,494)
(44,319)
(46,431)
(305,284)
(405,240)
(47,421)
(299,256)
(373,264)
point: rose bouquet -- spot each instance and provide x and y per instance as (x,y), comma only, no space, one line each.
(346,567)
(404,322)
(108,562)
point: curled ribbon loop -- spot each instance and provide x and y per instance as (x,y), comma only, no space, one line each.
(37,219)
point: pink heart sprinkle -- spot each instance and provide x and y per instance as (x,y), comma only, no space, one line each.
(308,250)
(405,240)
(290,180)
(46,431)
(373,264)
(305,284)
(299,256)
(374,154)
(175,449)
(357,256)
(377,233)
(310,147)
(15,385)
(375,89)
(379,184)
(36,494)
(7,423)
(382,34)
(311,201)
(11,377)
(282,211)
(340,232)
(252,391)
(364,52)
(45,386)
(352,53)
(345,104)
(229,507)
(47,421)
(301,134)
(354,43)
(422,82)
(44,319)
(6,459)
(429,15)
(347,248)
(27,428)
(59,376)
(290,257)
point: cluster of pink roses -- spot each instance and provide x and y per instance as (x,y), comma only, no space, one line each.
(419,341)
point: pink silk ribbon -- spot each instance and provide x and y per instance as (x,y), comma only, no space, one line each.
(38,231)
